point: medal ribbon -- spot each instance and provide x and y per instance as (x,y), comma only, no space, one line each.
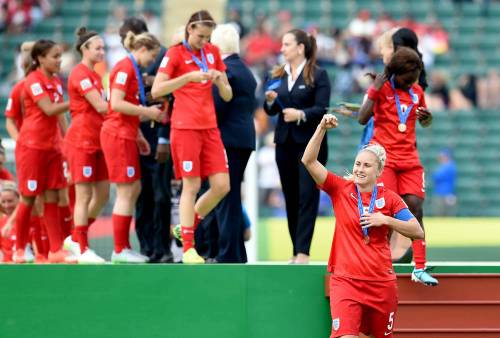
(370,207)
(142,92)
(403,116)
(200,63)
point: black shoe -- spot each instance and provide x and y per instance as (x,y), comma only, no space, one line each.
(162,259)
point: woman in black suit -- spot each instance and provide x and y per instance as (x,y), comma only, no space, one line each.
(299,93)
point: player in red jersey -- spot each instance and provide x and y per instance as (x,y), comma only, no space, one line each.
(189,70)
(121,139)
(87,105)
(363,290)
(39,162)
(14,113)
(396,102)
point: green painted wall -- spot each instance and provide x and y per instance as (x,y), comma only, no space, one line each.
(169,301)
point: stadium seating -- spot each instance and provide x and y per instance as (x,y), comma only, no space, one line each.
(474,48)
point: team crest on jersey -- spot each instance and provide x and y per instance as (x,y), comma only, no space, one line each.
(336,324)
(36,89)
(164,62)
(85,84)
(414,98)
(121,78)
(380,203)
(32,185)
(9,104)
(130,171)
(87,171)
(210,58)
(187,166)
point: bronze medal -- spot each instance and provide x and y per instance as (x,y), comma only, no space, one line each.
(402,127)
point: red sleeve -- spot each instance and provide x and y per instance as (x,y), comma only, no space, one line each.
(13,107)
(34,88)
(123,73)
(332,183)
(82,82)
(169,63)
(397,202)
(422,100)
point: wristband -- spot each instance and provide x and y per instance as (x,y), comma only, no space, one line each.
(373,93)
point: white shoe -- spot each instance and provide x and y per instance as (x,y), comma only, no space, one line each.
(128,256)
(90,257)
(28,254)
(71,246)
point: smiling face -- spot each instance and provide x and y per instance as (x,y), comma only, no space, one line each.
(51,61)
(94,50)
(366,169)
(290,49)
(9,200)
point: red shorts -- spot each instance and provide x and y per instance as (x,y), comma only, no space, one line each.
(122,158)
(86,166)
(198,153)
(39,170)
(362,306)
(405,180)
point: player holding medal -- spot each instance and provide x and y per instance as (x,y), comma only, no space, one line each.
(396,101)
(189,70)
(363,290)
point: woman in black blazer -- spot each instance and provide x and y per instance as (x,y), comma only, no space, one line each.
(299,93)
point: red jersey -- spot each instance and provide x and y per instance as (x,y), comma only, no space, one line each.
(40,131)
(194,103)
(86,122)
(350,256)
(400,146)
(123,77)
(6,175)
(14,108)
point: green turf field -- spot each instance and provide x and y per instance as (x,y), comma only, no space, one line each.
(448,239)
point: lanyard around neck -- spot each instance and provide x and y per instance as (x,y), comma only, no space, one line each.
(142,92)
(200,63)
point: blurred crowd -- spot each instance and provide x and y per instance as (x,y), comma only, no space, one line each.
(18,16)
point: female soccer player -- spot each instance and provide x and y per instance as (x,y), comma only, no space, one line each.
(299,100)
(87,106)
(188,70)
(363,290)
(121,139)
(396,102)
(39,163)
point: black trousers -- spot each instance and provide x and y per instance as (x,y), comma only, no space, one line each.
(301,194)
(153,207)
(220,234)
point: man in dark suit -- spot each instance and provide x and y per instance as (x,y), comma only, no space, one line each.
(235,121)
(153,205)
(299,93)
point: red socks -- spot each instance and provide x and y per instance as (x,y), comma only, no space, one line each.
(23,225)
(53,225)
(66,220)
(187,233)
(419,254)
(80,235)
(37,236)
(121,228)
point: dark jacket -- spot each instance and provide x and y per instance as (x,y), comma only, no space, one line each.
(235,118)
(313,100)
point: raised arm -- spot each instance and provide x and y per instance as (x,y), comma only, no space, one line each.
(310,158)
(366,110)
